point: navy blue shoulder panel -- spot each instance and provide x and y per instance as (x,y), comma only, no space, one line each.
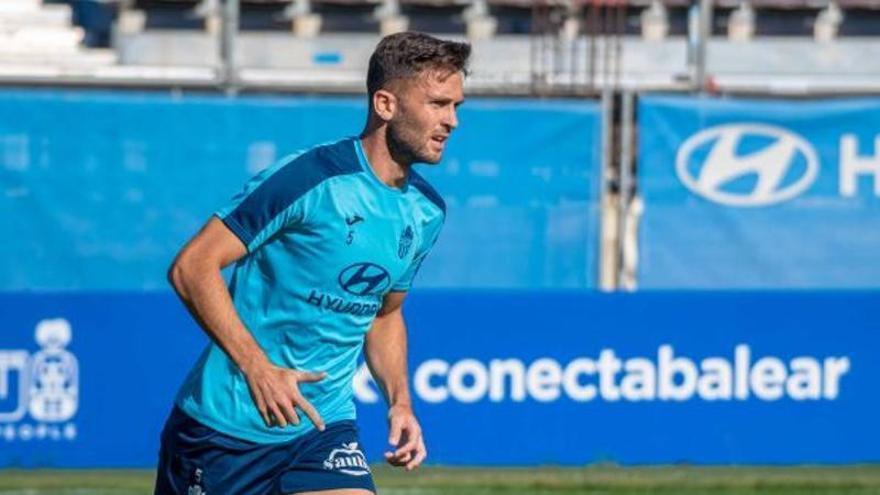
(422,185)
(290,182)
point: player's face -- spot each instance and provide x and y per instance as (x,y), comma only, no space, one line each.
(426,115)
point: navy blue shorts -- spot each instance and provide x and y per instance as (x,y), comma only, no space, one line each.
(195,459)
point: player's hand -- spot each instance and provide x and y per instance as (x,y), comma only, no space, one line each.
(275,392)
(405,435)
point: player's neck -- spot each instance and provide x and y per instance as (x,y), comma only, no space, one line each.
(390,171)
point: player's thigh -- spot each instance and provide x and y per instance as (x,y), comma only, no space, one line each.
(345,491)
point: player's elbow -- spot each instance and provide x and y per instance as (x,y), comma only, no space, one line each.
(182,270)
(176,276)
(192,267)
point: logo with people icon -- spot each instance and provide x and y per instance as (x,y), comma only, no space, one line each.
(43,385)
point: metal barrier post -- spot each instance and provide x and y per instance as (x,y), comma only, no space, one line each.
(228,35)
(699,33)
(626,183)
(608,250)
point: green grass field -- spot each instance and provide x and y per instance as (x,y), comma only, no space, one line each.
(596,480)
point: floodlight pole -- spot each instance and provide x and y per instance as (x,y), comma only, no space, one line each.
(228,71)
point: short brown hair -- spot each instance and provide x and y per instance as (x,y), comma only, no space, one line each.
(404,55)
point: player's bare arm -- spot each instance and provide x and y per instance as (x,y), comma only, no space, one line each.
(385,350)
(195,276)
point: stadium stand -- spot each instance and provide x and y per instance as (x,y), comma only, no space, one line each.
(37,34)
(520,45)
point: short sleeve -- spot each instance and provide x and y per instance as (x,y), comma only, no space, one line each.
(270,201)
(432,233)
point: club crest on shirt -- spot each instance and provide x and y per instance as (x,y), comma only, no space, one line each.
(349,460)
(406,240)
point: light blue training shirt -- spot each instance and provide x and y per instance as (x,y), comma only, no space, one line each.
(326,240)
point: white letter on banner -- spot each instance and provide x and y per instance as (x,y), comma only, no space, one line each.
(835,368)
(804,382)
(578,392)
(741,364)
(668,367)
(544,377)
(716,382)
(17,361)
(767,378)
(640,380)
(609,366)
(468,393)
(514,368)
(852,165)
(363,391)
(422,379)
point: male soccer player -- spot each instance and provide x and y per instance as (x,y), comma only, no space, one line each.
(326,245)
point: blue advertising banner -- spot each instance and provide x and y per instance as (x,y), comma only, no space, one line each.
(98,190)
(759,193)
(503,378)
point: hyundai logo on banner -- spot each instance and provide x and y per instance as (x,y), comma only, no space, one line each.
(747,164)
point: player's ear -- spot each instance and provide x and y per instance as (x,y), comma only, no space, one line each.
(384,104)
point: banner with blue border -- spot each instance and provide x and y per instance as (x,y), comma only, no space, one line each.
(98,190)
(759,193)
(498,378)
